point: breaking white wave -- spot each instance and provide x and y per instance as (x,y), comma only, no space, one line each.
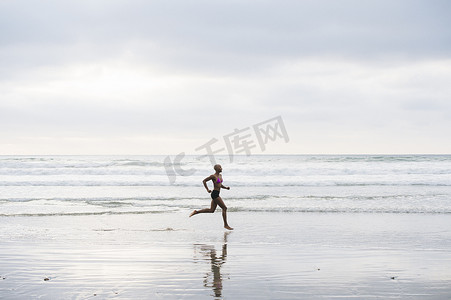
(35,186)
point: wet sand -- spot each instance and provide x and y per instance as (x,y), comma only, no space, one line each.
(268,256)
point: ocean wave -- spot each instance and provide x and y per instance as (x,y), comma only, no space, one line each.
(137,163)
(238,210)
(375,158)
(56,214)
(254,197)
(82,171)
(170,201)
(338,210)
(99,185)
(425,202)
(196,184)
(52,165)
(262,169)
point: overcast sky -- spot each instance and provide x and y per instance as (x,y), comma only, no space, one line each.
(164,77)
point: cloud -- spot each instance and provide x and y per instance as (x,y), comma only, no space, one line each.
(339,72)
(174,31)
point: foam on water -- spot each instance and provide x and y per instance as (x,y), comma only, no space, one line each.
(47,185)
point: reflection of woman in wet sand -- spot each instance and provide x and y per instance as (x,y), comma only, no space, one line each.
(216,200)
(216,263)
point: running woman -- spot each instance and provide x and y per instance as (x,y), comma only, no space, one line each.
(216,199)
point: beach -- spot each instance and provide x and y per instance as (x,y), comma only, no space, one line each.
(267,256)
(64,239)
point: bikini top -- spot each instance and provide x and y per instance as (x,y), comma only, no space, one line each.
(219,180)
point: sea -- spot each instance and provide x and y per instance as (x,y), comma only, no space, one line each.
(32,186)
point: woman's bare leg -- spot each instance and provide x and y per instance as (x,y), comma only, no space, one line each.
(221,204)
(205,210)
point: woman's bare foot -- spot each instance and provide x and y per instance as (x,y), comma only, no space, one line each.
(228,227)
(193,213)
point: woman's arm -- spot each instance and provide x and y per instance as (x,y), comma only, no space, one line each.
(205,183)
(225,187)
